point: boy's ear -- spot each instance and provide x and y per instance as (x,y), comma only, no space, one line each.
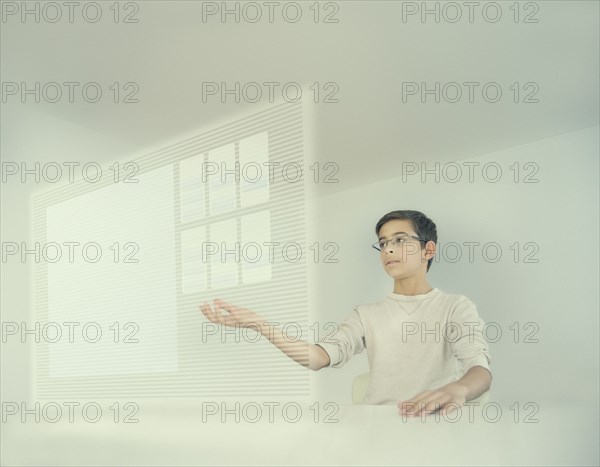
(430,249)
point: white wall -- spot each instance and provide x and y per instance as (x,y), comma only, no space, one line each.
(559,293)
(52,140)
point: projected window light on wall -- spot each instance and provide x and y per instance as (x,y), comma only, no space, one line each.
(208,217)
(231,247)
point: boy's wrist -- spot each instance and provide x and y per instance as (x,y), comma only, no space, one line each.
(458,388)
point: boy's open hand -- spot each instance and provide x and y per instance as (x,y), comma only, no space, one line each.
(446,399)
(235,316)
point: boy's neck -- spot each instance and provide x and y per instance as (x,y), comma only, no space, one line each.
(412,286)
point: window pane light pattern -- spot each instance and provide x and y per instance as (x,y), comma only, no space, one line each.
(210,217)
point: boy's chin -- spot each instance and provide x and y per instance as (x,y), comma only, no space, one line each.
(395,274)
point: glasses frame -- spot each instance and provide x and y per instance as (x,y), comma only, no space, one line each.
(376,244)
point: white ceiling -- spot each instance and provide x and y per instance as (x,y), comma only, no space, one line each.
(368,53)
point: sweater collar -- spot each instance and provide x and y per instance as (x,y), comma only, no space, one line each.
(414,298)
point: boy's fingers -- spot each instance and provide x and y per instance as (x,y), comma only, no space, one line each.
(233,315)
(220,304)
(409,407)
(448,408)
(415,408)
(204,310)
(433,402)
(414,402)
(212,316)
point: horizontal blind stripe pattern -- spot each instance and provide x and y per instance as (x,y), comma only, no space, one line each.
(204,366)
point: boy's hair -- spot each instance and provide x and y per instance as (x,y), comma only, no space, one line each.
(424,227)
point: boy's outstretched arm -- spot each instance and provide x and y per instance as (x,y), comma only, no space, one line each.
(308,355)
(473,384)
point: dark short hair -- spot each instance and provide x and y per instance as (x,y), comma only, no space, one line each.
(424,227)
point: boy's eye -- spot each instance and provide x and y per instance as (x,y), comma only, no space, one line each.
(398,240)
(394,241)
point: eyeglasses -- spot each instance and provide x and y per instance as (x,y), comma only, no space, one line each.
(396,241)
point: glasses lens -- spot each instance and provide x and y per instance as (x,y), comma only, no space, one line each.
(396,241)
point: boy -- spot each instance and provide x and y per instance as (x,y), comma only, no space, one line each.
(425,347)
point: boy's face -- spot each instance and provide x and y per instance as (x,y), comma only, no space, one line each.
(406,259)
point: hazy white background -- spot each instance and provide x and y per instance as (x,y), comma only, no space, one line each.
(369,134)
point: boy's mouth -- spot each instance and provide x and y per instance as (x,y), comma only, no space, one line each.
(392,261)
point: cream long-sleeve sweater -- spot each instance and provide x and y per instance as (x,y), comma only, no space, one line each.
(413,342)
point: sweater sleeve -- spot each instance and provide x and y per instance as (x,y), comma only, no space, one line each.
(465,333)
(346,341)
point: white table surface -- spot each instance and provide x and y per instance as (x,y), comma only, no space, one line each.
(173,433)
